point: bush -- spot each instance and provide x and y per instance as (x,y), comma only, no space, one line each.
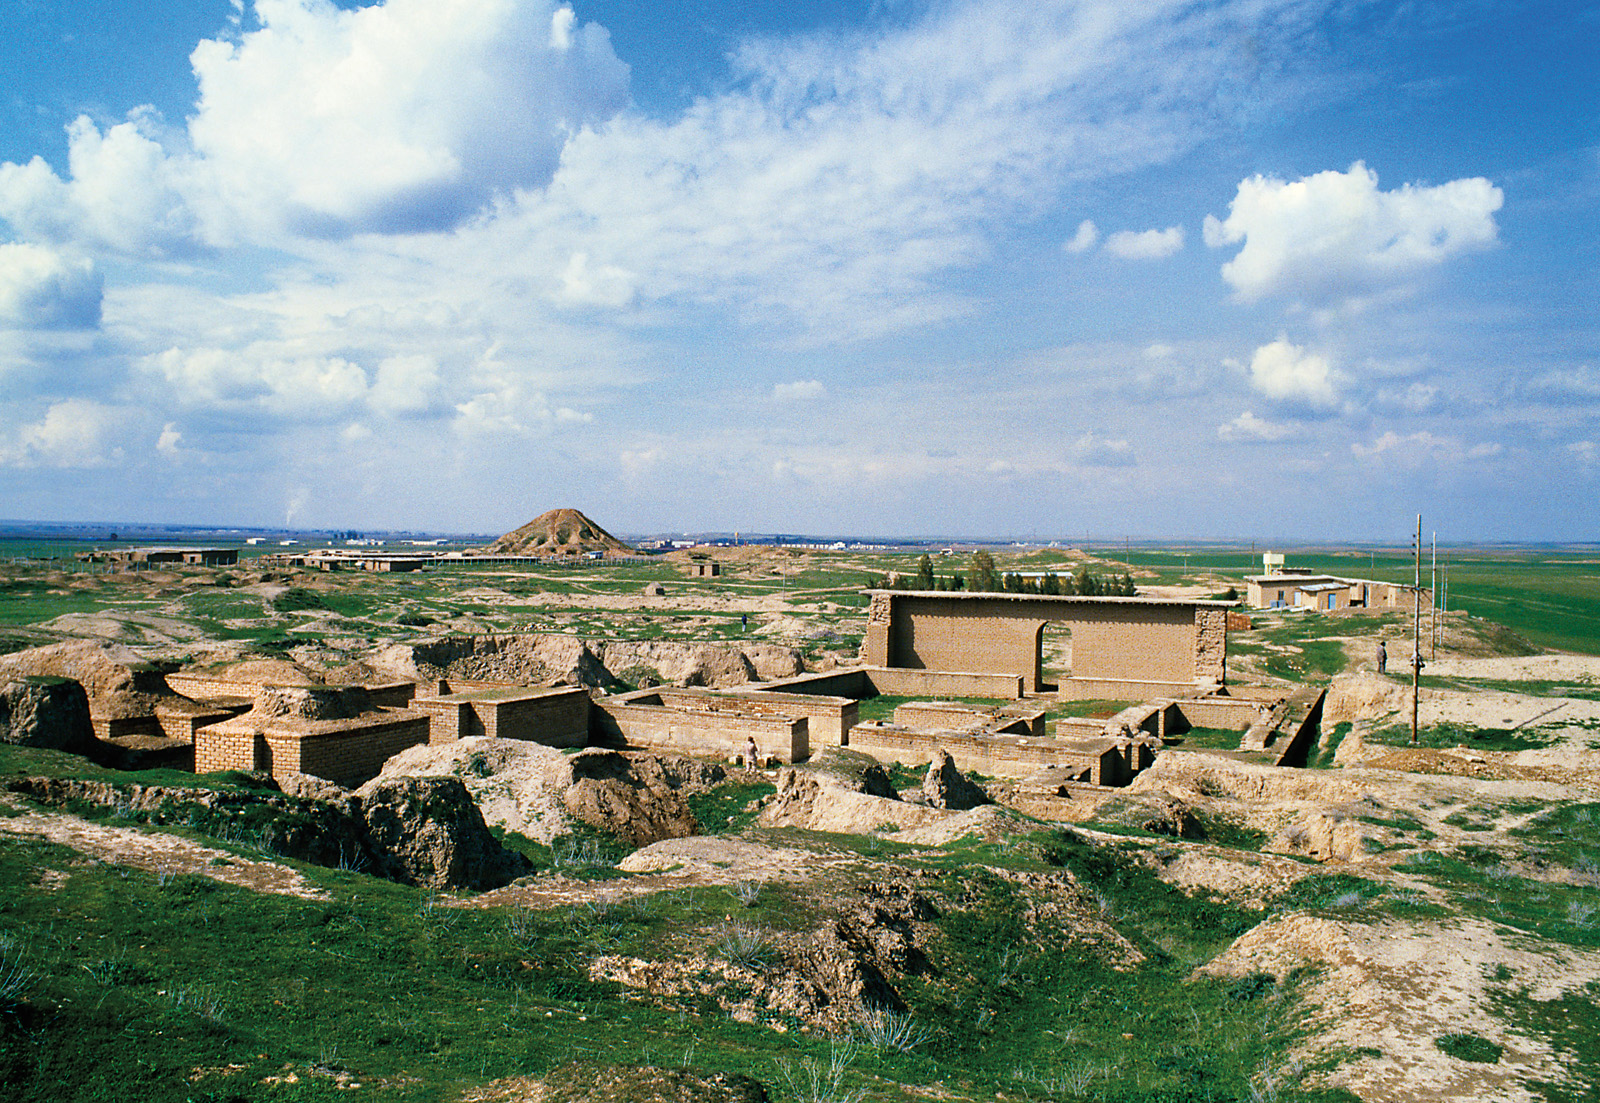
(1470,1047)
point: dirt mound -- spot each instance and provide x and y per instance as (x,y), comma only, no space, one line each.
(635,798)
(559,532)
(515,784)
(805,801)
(1363,695)
(1390,990)
(550,658)
(46,712)
(945,786)
(311,702)
(426,831)
(118,681)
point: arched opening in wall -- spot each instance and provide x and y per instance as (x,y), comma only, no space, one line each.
(1055,655)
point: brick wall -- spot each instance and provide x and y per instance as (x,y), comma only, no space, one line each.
(995,755)
(348,752)
(555,717)
(642,719)
(1140,639)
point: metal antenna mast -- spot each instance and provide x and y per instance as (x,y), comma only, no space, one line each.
(1416,628)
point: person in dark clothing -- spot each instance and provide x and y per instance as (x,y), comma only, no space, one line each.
(1383,658)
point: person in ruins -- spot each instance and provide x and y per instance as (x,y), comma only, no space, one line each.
(1383,658)
(752,756)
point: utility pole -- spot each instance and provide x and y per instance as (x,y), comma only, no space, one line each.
(1416,628)
(1433,601)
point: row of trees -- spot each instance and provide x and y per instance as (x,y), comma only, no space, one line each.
(983,577)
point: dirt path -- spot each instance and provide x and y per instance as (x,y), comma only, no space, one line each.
(159,853)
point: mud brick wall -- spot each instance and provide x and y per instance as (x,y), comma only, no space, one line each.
(828,719)
(996,755)
(1135,639)
(201,687)
(348,752)
(351,755)
(450,719)
(555,718)
(234,748)
(641,719)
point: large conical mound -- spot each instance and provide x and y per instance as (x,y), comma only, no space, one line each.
(559,532)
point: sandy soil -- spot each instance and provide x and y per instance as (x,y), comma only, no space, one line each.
(157,852)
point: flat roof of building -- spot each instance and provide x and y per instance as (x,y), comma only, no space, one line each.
(1074,599)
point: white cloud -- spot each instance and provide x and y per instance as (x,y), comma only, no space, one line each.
(399,116)
(42,289)
(1586,452)
(73,433)
(1247,427)
(1145,244)
(596,285)
(1290,373)
(405,385)
(1412,448)
(1092,450)
(124,193)
(1335,234)
(170,441)
(260,378)
(1415,399)
(798,391)
(1084,239)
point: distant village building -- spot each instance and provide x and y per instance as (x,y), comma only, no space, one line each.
(1300,588)
(139,559)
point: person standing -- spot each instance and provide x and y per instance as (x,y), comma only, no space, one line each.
(1383,658)
(751,754)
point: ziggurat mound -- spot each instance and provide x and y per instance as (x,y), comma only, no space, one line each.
(559,532)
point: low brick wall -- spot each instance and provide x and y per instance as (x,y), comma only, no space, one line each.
(954,716)
(347,752)
(643,719)
(554,716)
(182,722)
(1219,712)
(1116,689)
(1099,762)
(861,682)
(828,719)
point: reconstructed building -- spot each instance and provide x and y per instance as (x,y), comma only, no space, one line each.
(331,732)
(556,716)
(1122,647)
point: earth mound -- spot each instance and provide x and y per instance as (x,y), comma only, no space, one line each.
(559,532)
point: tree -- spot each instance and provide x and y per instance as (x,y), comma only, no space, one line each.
(1011,583)
(985,578)
(1051,584)
(924,573)
(1085,583)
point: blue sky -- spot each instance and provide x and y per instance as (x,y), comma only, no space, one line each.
(1253,269)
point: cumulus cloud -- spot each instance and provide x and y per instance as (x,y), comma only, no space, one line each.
(1248,428)
(124,192)
(1093,450)
(1084,239)
(306,387)
(1290,373)
(72,433)
(400,116)
(1145,244)
(799,390)
(1411,448)
(170,440)
(42,289)
(589,284)
(405,385)
(1336,234)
